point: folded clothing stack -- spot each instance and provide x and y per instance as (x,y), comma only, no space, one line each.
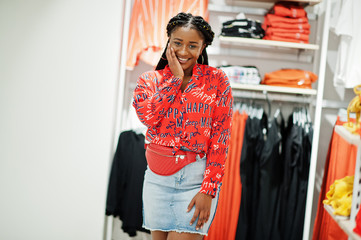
(290,78)
(287,22)
(242,74)
(340,196)
(246,28)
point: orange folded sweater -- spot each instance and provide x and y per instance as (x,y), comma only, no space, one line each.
(272,30)
(284,39)
(290,78)
(275,18)
(288,10)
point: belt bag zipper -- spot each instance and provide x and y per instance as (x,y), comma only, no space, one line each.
(176,156)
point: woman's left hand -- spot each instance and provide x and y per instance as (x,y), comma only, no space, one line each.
(202,203)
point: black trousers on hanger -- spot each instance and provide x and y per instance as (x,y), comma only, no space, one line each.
(251,151)
(270,178)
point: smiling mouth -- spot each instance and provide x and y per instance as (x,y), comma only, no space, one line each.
(182,60)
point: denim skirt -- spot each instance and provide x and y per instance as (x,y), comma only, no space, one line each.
(166,198)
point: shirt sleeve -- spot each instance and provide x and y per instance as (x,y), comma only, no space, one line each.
(152,100)
(219,138)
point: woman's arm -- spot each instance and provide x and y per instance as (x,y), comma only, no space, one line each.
(151,101)
(219,139)
(217,153)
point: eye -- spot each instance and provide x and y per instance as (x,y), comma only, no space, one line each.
(192,46)
(177,43)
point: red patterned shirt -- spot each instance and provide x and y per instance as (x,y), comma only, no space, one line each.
(199,118)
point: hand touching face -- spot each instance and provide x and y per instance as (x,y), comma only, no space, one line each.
(173,63)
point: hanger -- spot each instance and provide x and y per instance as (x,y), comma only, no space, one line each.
(278,116)
(268,102)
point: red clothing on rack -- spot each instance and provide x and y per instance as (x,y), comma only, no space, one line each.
(225,222)
(199,118)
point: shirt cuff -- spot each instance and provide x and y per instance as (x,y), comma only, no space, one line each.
(209,188)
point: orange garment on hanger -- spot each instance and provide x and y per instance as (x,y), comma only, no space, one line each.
(224,224)
(340,162)
(148,27)
(290,78)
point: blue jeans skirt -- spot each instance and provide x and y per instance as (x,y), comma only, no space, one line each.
(166,198)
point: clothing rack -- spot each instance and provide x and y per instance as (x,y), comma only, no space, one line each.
(273,97)
(273,93)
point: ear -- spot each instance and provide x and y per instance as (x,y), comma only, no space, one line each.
(203,46)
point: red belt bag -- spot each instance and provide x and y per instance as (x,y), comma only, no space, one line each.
(162,161)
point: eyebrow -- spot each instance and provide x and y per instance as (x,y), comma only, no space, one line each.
(179,39)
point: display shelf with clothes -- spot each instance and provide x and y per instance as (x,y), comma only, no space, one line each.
(282,24)
(345,160)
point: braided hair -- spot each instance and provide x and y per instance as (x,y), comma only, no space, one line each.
(196,22)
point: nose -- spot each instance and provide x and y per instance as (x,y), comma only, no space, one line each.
(182,50)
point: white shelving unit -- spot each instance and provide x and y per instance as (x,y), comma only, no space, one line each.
(273,93)
(274,89)
(345,224)
(238,41)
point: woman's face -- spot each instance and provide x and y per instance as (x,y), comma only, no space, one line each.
(188,45)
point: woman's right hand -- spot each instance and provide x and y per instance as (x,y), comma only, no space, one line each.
(173,63)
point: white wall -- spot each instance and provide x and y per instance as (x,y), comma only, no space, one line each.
(59,63)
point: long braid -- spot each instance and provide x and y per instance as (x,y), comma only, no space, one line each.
(196,22)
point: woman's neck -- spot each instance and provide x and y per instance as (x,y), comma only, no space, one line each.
(189,72)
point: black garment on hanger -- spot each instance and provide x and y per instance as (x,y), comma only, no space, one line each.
(271,165)
(293,151)
(251,151)
(124,198)
(295,181)
(303,168)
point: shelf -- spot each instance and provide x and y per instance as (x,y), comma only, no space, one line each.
(310,2)
(274,89)
(344,223)
(238,41)
(349,137)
